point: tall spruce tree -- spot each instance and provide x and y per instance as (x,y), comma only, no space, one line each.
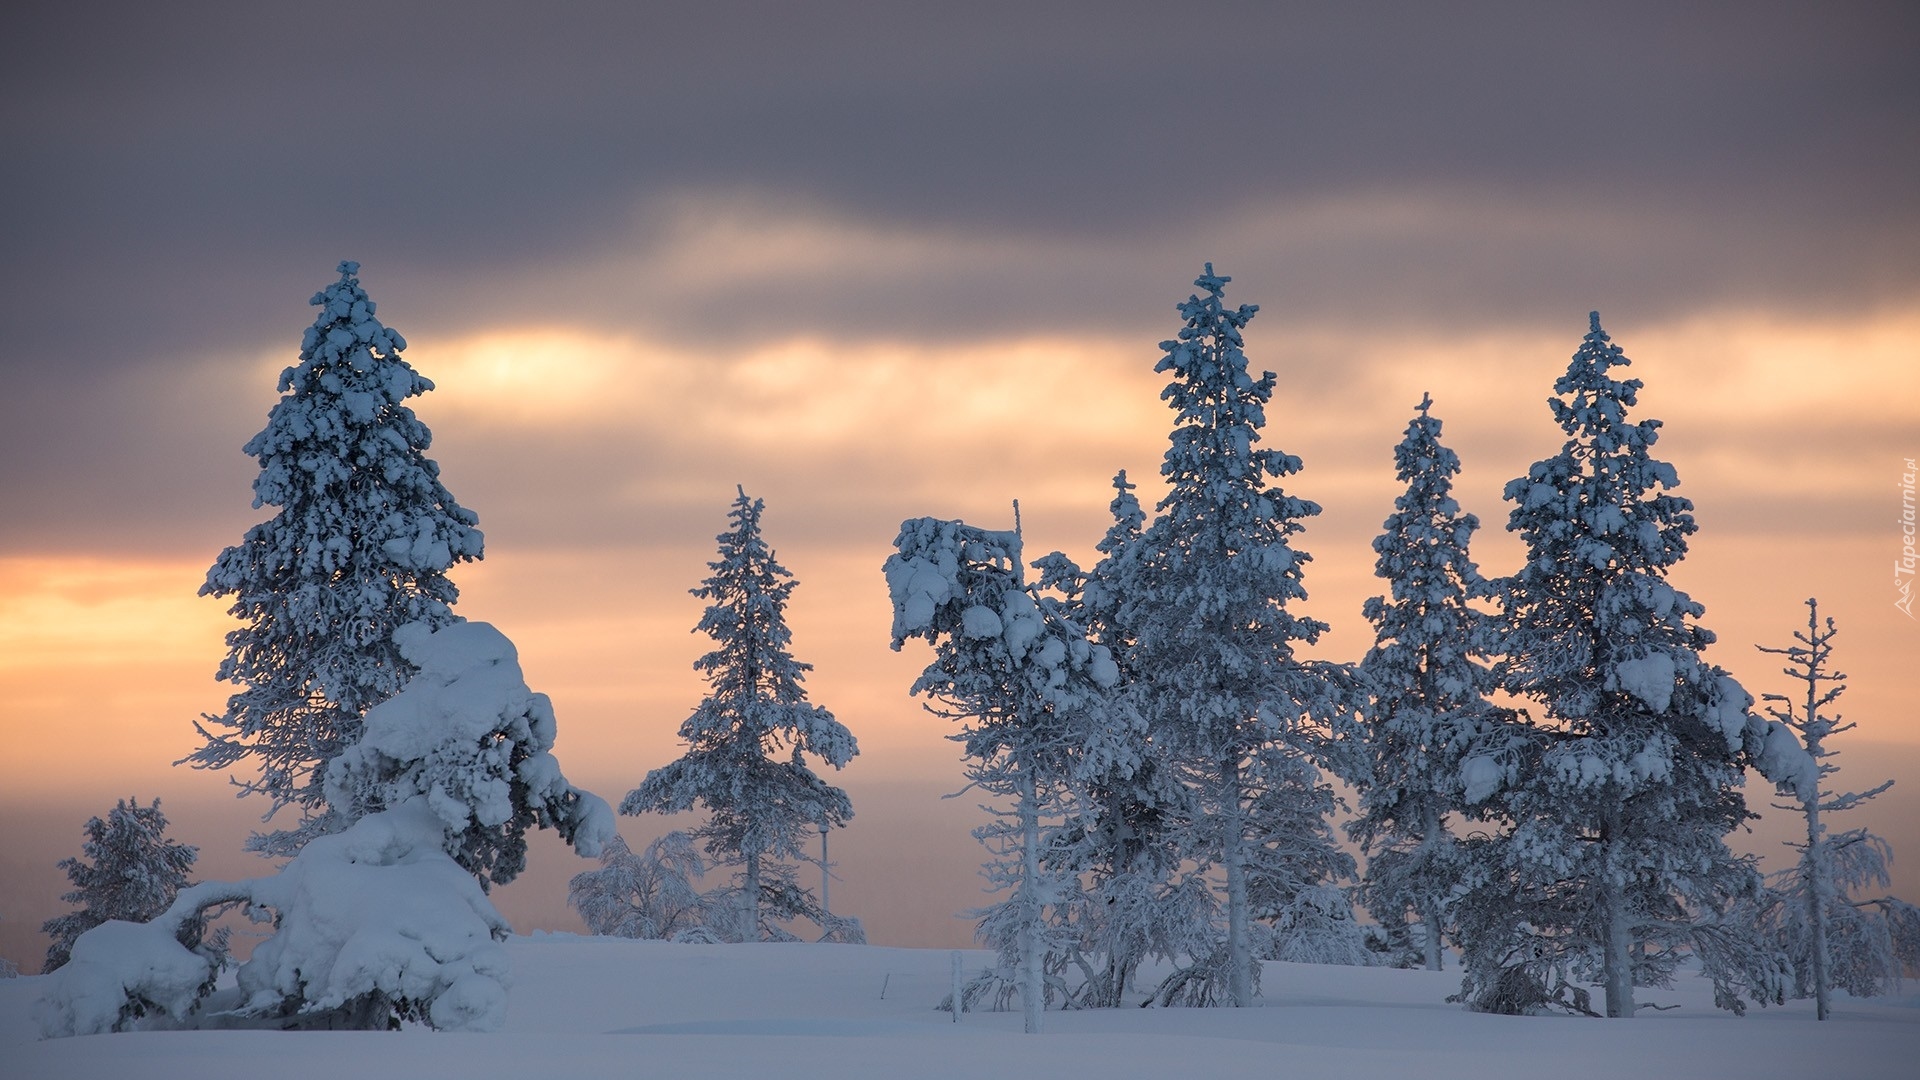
(746,741)
(129,871)
(1427,678)
(1615,867)
(361,546)
(1214,636)
(1833,940)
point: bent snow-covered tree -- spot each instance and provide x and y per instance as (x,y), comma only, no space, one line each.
(747,741)
(1833,940)
(361,546)
(1031,693)
(383,920)
(469,739)
(1215,640)
(129,871)
(1427,680)
(1614,868)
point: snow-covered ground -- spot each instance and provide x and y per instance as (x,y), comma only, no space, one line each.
(592,1007)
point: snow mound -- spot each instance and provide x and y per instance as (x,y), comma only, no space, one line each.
(381,908)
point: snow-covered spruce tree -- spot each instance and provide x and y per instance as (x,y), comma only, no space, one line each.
(361,546)
(1427,682)
(1031,693)
(1859,946)
(1141,902)
(1214,640)
(383,920)
(745,742)
(129,870)
(649,895)
(1614,867)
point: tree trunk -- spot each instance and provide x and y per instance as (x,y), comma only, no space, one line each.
(1032,987)
(1617,923)
(751,902)
(1430,906)
(1819,885)
(1430,928)
(1239,952)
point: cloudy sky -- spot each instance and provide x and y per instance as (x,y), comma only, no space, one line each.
(880,261)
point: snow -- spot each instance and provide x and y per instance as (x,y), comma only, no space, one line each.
(585,1008)
(1649,678)
(381,906)
(112,964)
(1480,777)
(1784,761)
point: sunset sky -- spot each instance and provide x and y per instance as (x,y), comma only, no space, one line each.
(875,263)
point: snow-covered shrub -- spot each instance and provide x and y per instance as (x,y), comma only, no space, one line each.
(371,926)
(842,930)
(129,870)
(378,921)
(647,895)
(384,921)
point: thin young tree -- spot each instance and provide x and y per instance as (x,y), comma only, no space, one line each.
(1215,638)
(747,741)
(128,870)
(1142,899)
(1030,692)
(1427,679)
(1833,940)
(1615,865)
(361,546)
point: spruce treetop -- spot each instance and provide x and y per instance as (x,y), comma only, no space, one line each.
(1217,569)
(1218,478)
(752,672)
(1602,533)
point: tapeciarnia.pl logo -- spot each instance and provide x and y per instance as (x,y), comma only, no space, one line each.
(1903,567)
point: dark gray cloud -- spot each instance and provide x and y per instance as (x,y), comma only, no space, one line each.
(179,178)
(184,169)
